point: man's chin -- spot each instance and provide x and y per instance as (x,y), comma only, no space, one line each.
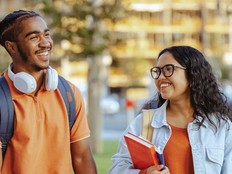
(42,68)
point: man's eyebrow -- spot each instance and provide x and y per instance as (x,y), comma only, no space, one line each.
(35,32)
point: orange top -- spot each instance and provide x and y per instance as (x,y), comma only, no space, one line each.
(41,140)
(177,152)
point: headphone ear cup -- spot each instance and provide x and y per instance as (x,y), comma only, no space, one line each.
(22,81)
(51,82)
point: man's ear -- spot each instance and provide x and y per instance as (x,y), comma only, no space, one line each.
(11,47)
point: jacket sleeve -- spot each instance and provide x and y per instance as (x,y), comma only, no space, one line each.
(227,163)
(121,161)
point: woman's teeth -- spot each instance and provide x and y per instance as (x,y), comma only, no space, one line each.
(164,85)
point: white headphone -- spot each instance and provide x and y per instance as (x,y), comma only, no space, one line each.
(26,83)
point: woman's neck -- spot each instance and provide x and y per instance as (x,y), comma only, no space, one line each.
(180,113)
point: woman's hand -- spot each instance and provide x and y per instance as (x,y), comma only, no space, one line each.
(159,169)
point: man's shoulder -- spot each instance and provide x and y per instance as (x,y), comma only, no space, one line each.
(75,90)
(71,84)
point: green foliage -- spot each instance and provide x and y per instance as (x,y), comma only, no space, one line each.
(5,59)
(103,161)
(225,73)
(82,23)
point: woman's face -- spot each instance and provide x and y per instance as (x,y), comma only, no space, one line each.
(176,86)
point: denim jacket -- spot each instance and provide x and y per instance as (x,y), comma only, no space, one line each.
(211,150)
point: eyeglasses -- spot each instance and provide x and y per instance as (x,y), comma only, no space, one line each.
(166,69)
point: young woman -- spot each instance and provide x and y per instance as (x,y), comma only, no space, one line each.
(192,124)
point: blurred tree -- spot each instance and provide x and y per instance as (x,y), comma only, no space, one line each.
(5,59)
(81,26)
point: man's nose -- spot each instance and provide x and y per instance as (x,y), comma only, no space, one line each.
(44,42)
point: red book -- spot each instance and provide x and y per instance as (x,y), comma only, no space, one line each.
(142,152)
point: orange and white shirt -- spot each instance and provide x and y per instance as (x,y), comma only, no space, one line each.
(42,137)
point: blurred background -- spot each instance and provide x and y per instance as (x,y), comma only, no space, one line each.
(107,47)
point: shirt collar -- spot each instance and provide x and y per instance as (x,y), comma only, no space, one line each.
(13,90)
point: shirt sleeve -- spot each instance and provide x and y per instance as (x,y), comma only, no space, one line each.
(80,129)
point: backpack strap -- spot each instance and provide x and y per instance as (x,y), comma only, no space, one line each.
(6,114)
(69,99)
(147,130)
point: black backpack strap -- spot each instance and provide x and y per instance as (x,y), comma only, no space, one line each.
(6,114)
(69,99)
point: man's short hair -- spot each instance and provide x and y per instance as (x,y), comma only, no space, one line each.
(10,25)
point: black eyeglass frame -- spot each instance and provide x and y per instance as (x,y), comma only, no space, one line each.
(161,70)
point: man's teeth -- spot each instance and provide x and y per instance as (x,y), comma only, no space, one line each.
(164,85)
(43,54)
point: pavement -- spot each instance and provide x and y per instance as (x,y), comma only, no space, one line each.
(114,125)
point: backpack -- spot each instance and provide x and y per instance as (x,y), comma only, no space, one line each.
(147,131)
(7,109)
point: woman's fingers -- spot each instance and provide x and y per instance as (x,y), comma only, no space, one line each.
(159,169)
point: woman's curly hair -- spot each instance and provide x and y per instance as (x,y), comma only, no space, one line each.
(205,95)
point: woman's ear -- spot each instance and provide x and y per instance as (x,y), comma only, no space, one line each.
(11,47)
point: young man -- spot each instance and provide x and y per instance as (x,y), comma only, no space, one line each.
(42,141)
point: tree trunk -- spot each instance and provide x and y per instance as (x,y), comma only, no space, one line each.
(95,93)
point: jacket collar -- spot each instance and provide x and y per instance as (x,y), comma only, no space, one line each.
(159,118)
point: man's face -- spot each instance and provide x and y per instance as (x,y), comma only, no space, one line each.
(34,43)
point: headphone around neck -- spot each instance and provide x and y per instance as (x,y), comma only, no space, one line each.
(26,83)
